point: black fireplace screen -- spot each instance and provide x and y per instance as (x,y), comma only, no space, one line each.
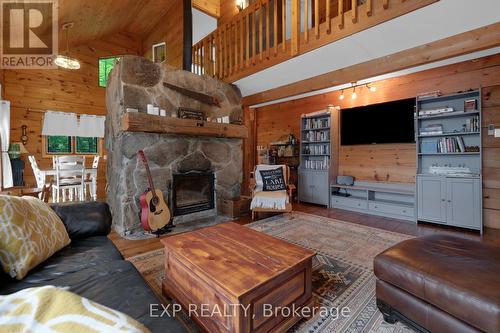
(192,192)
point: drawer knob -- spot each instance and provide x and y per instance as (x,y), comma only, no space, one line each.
(376,206)
(404,211)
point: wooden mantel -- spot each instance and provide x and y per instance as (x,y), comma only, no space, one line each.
(142,122)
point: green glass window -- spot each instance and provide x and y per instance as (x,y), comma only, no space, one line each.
(59,145)
(105,67)
(86,145)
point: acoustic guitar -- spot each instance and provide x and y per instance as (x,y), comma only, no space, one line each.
(155,214)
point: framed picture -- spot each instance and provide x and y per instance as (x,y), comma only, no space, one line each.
(159,52)
(185,113)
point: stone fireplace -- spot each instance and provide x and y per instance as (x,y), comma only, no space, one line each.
(192,171)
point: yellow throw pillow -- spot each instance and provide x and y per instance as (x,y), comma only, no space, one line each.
(52,309)
(30,232)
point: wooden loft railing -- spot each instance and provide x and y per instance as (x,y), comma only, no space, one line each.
(256,38)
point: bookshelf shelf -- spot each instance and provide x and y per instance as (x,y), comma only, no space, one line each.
(449,115)
(457,153)
(449,134)
(315,129)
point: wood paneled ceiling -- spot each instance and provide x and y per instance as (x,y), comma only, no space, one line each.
(94,19)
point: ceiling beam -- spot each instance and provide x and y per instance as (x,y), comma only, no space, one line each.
(467,42)
(210,7)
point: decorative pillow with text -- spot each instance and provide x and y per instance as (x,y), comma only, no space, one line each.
(273,180)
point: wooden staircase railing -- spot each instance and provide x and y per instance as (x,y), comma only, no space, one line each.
(268,32)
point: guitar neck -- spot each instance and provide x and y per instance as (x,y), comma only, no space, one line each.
(148,173)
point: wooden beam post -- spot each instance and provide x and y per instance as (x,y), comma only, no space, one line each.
(295,27)
(187,39)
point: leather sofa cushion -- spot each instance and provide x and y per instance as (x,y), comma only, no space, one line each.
(84,219)
(79,255)
(119,286)
(457,275)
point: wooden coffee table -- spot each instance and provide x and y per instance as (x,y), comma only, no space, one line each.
(231,278)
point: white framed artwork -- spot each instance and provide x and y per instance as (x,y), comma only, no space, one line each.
(159,52)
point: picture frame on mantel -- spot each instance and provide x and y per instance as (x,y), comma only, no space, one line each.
(159,52)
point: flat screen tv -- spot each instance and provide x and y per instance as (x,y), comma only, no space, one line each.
(390,122)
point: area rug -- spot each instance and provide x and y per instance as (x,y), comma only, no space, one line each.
(342,270)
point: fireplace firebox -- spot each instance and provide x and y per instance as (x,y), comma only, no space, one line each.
(193,192)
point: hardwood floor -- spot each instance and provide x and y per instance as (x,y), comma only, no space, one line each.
(130,248)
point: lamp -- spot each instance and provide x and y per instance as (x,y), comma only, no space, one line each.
(371,88)
(354,95)
(65,61)
(16,149)
(241,4)
(341,97)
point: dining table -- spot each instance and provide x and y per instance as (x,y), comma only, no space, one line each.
(90,173)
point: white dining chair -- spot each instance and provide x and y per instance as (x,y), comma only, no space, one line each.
(36,172)
(70,178)
(91,181)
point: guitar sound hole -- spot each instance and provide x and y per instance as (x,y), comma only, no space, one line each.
(153,204)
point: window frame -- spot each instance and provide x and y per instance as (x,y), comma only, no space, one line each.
(47,154)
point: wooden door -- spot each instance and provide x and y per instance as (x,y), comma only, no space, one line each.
(463,202)
(431,200)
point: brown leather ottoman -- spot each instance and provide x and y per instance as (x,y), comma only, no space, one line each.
(440,284)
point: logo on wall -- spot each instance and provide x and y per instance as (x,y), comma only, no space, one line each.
(29,34)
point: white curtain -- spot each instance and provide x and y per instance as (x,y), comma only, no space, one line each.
(60,124)
(5,137)
(91,126)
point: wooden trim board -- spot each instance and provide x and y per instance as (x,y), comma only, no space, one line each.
(141,122)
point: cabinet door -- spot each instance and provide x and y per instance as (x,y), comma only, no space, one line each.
(320,188)
(463,202)
(431,199)
(305,192)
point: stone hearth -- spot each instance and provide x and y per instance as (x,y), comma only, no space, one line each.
(134,83)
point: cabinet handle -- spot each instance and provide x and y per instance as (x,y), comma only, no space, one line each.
(443,200)
(404,211)
(449,200)
(376,206)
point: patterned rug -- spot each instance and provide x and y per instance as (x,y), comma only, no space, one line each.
(342,270)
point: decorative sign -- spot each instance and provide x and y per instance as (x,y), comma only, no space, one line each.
(273,180)
(185,113)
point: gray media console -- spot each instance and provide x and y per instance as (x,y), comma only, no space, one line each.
(383,199)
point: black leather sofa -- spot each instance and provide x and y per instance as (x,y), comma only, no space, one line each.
(92,267)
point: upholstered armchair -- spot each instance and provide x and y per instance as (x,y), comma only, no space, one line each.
(270,201)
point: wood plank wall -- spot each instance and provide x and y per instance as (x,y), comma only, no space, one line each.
(396,162)
(169,30)
(62,90)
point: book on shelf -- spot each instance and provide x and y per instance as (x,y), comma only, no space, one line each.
(321,164)
(443,146)
(431,129)
(472,124)
(316,123)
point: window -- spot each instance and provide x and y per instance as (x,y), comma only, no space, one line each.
(86,145)
(59,145)
(105,67)
(68,145)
